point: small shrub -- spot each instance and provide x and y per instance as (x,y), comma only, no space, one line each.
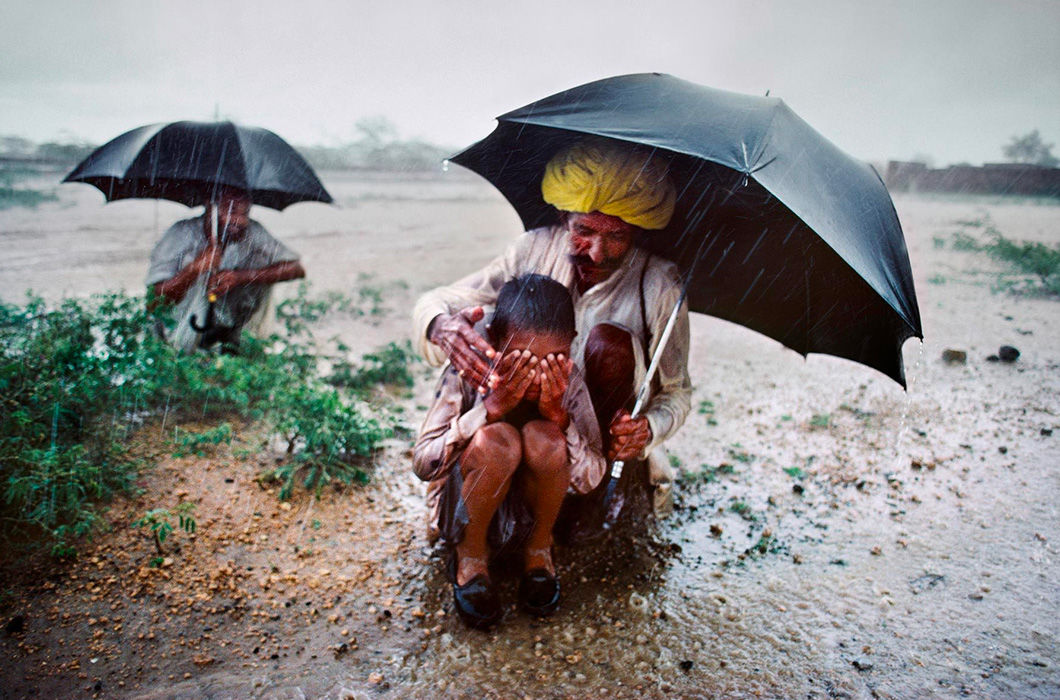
(962,241)
(389,366)
(1030,259)
(160,522)
(820,420)
(706,408)
(743,510)
(189,442)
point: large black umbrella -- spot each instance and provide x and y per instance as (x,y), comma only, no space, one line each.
(779,230)
(188,161)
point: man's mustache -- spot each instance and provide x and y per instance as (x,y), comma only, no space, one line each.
(586,261)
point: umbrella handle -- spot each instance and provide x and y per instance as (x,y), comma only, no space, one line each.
(208,323)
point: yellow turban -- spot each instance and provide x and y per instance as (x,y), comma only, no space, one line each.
(597,175)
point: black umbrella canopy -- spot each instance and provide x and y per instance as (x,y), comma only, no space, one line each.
(787,234)
(188,161)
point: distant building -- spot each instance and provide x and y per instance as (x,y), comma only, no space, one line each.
(991,178)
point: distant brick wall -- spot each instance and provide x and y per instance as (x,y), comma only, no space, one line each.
(991,178)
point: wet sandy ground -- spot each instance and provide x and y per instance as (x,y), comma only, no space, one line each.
(910,550)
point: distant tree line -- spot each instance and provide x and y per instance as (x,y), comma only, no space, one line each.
(377,147)
(16,147)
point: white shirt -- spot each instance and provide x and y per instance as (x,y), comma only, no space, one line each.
(182,243)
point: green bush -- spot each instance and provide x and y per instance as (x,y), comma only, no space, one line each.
(1030,259)
(78,379)
(390,366)
(1025,260)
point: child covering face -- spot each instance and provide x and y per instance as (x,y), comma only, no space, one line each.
(500,463)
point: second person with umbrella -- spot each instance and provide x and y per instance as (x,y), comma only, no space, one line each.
(217,271)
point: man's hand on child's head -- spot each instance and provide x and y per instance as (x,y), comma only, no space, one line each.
(465,348)
(516,372)
(554,375)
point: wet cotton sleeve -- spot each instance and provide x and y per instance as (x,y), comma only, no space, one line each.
(584,446)
(257,250)
(447,429)
(178,246)
(672,398)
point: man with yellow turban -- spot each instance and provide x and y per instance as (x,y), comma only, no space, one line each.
(607,195)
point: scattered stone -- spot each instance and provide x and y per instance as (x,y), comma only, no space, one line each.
(954,357)
(798,489)
(686,665)
(638,603)
(715,530)
(838,562)
(923,583)
(862,664)
(341,650)
(15,625)
(1007,353)
(877,551)
(1002,449)
(1046,432)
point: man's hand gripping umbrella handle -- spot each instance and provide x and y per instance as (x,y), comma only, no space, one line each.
(642,398)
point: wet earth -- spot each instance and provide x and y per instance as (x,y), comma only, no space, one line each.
(832,535)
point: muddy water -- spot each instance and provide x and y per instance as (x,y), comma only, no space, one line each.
(833,535)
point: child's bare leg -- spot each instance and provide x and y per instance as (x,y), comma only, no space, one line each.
(546,478)
(487,466)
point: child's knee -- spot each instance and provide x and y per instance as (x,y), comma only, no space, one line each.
(544,446)
(497,444)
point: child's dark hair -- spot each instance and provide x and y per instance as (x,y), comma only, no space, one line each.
(533,303)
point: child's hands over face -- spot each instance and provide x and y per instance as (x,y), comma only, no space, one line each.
(554,375)
(516,372)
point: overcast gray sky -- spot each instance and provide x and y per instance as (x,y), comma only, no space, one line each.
(952,79)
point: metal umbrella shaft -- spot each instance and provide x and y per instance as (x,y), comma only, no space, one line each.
(211,298)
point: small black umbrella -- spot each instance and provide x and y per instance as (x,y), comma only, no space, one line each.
(188,161)
(775,227)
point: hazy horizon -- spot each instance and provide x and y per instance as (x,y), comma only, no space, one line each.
(951,80)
